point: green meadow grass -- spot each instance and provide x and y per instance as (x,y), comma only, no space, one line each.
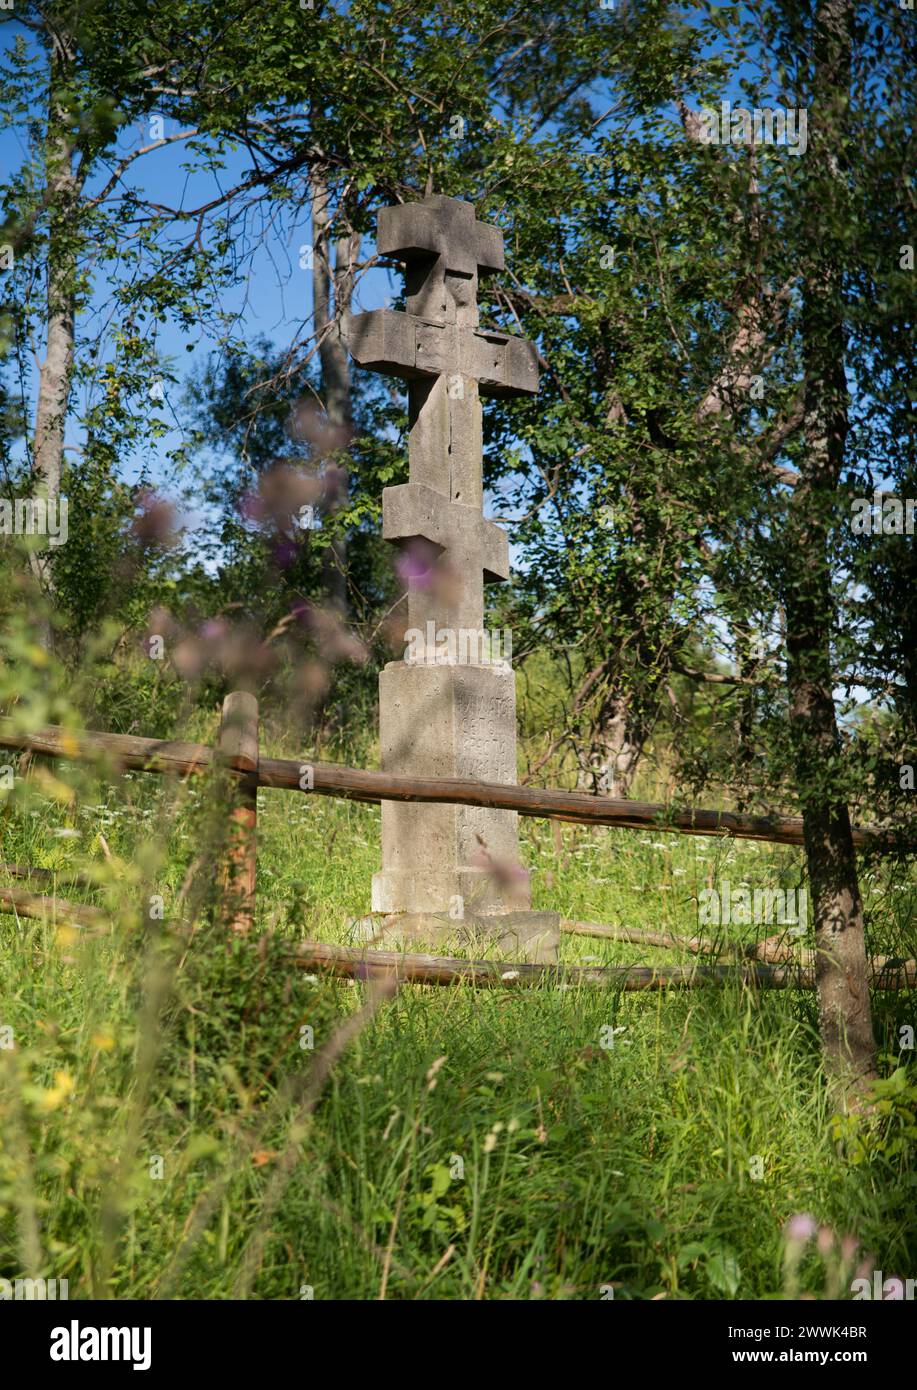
(159,1136)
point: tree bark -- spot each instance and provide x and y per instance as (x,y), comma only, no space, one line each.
(56,371)
(333,355)
(748,668)
(845,1018)
(614,747)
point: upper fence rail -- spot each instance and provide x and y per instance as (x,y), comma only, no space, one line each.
(165,756)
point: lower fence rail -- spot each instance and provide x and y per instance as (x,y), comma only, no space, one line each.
(416,968)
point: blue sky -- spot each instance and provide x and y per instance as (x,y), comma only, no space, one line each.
(272,302)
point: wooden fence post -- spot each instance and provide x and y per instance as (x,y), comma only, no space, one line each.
(238,749)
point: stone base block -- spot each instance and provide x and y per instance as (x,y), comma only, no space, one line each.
(436,893)
(522,936)
(445,721)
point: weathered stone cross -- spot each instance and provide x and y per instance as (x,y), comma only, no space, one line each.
(447,720)
(448,362)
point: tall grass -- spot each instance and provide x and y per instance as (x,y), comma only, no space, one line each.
(163,1132)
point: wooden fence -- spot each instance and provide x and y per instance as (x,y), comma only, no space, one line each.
(772,963)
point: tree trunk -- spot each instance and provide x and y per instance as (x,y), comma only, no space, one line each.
(333,355)
(56,371)
(614,749)
(748,666)
(845,1018)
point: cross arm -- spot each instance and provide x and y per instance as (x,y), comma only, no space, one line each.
(413,509)
(444,227)
(404,345)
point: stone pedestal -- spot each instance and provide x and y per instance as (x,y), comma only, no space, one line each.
(513,936)
(460,861)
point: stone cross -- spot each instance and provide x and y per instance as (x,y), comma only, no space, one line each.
(448,362)
(446,720)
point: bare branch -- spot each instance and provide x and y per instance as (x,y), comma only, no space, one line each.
(128,160)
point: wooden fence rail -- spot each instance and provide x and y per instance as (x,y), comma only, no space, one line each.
(237,753)
(354,784)
(415,968)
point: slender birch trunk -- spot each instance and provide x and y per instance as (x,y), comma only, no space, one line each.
(56,369)
(845,1018)
(333,355)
